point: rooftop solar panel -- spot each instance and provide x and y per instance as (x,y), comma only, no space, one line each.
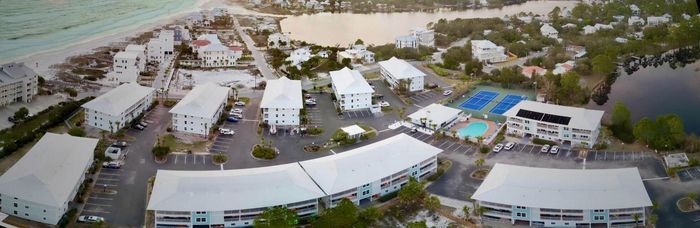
(557,119)
(530,114)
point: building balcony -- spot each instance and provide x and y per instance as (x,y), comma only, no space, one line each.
(638,209)
(498,213)
(548,217)
(572,218)
(174,213)
(185,220)
(498,205)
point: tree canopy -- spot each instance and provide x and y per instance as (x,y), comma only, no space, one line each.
(622,123)
(664,133)
(277,217)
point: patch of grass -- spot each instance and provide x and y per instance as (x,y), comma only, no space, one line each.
(219,158)
(175,144)
(439,70)
(244,99)
(264,152)
(686,204)
(371,75)
(314,131)
(543,141)
(170,103)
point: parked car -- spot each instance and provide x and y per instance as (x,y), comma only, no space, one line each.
(237,110)
(554,150)
(310,102)
(90,218)
(384,104)
(509,146)
(307,96)
(239,103)
(447,92)
(498,148)
(237,115)
(545,148)
(138,127)
(111,165)
(232,119)
(144,124)
(414,129)
(226,131)
(120,144)
(378,96)
(432,86)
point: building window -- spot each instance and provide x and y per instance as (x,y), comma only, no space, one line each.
(201,219)
(522,215)
(201,212)
(520,207)
(15,204)
(598,218)
(599,210)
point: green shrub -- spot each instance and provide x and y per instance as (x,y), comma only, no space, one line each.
(437,175)
(67,218)
(160,151)
(388,197)
(169,103)
(219,158)
(76,131)
(600,146)
(543,141)
(71,92)
(264,152)
(484,149)
(314,131)
(693,162)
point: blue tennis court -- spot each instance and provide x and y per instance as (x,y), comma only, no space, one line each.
(508,102)
(479,100)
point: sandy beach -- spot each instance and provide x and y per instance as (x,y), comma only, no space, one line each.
(45,59)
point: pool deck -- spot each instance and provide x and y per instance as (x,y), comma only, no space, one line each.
(492,127)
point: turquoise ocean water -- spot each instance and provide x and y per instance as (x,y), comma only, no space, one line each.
(31,26)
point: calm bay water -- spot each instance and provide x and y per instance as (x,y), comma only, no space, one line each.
(30,26)
(381,28)
(651,91)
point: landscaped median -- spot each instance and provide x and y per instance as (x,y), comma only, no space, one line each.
(688,203)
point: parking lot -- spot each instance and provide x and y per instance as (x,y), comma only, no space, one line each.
(689,174)
(426,98)
(445,144)
(357,114)
(102,196)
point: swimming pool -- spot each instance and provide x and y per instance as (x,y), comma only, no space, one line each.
(473,130)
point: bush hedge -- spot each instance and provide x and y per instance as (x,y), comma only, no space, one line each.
(543,141)
(314,131)
(264,152)
(388,197)
(34,127)
(160,151)
(76,131)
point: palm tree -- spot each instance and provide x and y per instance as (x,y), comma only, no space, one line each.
(480,139)
(454,133)
(479,162)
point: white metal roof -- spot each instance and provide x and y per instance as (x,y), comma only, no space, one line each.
(203,101)
(400,69)
(353,130)
(369,163)
(126,55)
(49,172)
(563,188)
(348,81)
(581,118)
(282,93)
(135,47)
(436,113)
(221,190)
(118,100)
(483,44)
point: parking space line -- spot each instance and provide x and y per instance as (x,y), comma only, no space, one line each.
(94,211)
(606,155)
(100,198)
(106,179)
(99,205)
(110,174)
(451,146)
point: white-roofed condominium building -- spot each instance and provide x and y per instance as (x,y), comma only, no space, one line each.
(234,198)
(163,45)
(546,197)
(118,107)
(282,102)
(40,186)
(487,51)
(372,171)
(18,83)
(562,124)
(200,109)
(351,89)
(396,70)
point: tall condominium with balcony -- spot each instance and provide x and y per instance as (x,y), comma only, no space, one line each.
(200,109)
(545,197)
(18,83)
(487,51)
(115,109)
(41,185)
(396,70)
(369,172)
(351,89)
(562,124)
(234,198)
(282,102)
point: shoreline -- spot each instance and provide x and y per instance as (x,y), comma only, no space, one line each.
(46,58)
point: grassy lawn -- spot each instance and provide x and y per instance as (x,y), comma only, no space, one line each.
(439,70)
(686,204)
(177,145)
(371,75)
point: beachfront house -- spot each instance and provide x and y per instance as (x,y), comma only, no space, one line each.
(278,40)
(282,102)
(396,70)
(406,41)
(653,20)
(529,71)
(42,184)
(129,63)
(299,56)
(487,51)
(162,46)
(213,53)
(588,29)
(562,68)
(351,89)
(549,31)
(634,20)
(200,109)
(118,107)
(560,124)
(356,53)
(548,197)
(18,82)
(435,117)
